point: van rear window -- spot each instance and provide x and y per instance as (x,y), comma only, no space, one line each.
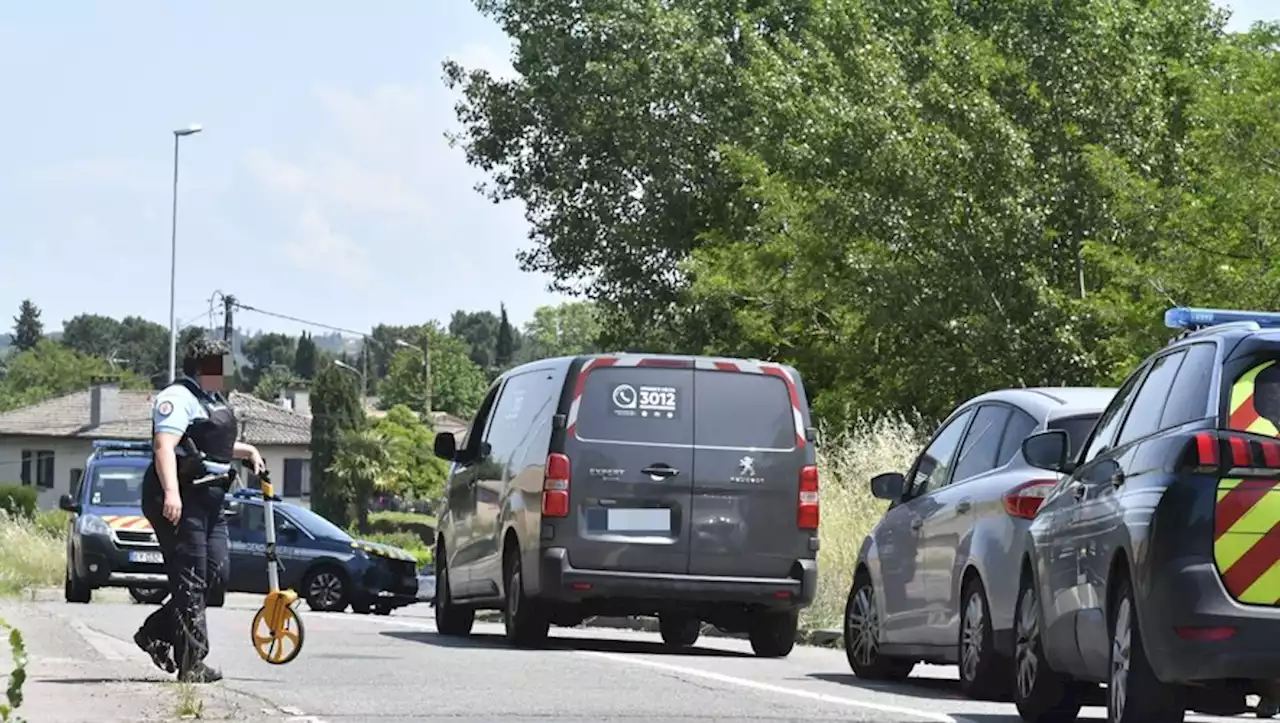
(655,405)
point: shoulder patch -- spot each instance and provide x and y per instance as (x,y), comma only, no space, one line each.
(165,408)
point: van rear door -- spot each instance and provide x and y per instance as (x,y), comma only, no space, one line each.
(748,455)
(630,448)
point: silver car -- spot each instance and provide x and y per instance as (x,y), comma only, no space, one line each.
(936,579)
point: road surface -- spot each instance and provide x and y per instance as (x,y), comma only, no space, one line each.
(396,669)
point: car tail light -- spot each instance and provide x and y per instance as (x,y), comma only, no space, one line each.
(807,513)
(1024,500)
(1236,453)
(1205,635)
(555,487)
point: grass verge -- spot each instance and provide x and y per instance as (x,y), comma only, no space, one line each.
(847,462)
(189,704)
(33,552)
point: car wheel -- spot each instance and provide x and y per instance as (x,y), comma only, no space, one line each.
(525,621)
(1041,694)
(984,672)
(75,590)
(451,619)
(326,590)
(773,633)
(1134,694)
(148,595)
(862,635)
(679,631)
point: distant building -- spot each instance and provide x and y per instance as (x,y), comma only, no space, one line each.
(45,445)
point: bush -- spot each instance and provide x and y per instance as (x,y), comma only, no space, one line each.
(421,526)
(846,464)
(18,500)
(32,554)
(406,541)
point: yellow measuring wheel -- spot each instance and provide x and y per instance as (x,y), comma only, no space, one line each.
(277,631)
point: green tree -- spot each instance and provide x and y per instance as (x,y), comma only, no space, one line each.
(415,471)
(335,410)
(27,327)
(92,334)
(50,370)
(563,329)
(458,385)
(305,357)
(268,350)
(480,330)
(504,347)
(277,379)
(362,465)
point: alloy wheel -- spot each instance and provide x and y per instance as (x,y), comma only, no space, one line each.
(1118,684)
(972,636)
(325,589)
(1028,631)
(864,626)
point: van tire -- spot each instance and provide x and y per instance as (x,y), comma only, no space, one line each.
(451,619)
(679,631)
(74,589)
(773,633)
(524,619)
(148,595)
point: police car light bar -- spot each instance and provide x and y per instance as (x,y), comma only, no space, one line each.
(247,493)
(120,444)
(1188,318)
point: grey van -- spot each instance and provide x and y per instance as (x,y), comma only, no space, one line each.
(680,487)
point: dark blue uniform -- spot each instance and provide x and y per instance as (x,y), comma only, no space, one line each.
(195,550)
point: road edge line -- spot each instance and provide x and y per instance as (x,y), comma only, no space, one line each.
(106,645)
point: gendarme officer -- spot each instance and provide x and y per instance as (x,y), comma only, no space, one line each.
(194,434)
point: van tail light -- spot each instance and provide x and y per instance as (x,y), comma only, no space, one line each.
(1237,453)
(1024,500)
(555,486)
(807,513)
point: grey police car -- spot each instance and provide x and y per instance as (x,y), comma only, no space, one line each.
(631,484)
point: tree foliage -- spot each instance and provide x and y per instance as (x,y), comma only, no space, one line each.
(28,330)
(335,411)
(50,369)
(458,385)
(563,329)
(306,357)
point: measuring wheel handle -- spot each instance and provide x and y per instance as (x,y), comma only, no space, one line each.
(277,630)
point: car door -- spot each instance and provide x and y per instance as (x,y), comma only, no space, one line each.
(630,452)
(946,531)
(469,465)
(1058,547)
(904,602)
(246,531)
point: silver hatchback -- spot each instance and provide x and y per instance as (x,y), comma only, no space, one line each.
(936,579)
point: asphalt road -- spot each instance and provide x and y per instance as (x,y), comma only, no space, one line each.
(391,669)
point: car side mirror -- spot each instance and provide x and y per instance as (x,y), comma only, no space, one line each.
(66,503)
(888,486)
(1047,450)
(446,446)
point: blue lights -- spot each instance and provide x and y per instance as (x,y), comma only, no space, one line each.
(247,493)
(1188,318)
(120,444)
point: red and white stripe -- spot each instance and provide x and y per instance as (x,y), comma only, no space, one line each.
(725,365)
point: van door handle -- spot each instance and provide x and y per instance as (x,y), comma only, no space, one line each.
(963,506)
(660,470)
(917,523)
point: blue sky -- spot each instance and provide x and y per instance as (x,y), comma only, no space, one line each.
(321,187)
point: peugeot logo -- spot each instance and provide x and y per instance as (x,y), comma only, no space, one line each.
(747,467)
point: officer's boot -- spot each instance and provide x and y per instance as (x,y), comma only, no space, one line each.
(200,673)
(161,652)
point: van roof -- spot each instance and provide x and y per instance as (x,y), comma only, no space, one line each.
(697,361)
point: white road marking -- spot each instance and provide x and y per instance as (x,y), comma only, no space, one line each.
(107,646)
(769,687)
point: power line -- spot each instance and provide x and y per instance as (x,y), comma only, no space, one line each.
(297,320)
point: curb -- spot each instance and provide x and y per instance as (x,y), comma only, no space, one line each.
(819,637)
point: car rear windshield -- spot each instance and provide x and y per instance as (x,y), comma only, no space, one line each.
(651,405)
(116,486)
(1078,430)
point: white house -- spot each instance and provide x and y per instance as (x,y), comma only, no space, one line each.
(46,444)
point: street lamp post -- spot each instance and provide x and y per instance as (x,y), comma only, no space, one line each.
(425,350)
(343,365)
(173,254)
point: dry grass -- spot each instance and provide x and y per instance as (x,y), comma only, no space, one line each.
(847,463)
(33,553)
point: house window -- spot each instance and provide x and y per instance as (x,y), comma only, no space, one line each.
(37,467)
(297,477)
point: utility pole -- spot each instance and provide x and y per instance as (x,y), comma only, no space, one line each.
(364,368)
(228,329)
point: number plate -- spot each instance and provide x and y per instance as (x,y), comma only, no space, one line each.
(147,557)
(645,520)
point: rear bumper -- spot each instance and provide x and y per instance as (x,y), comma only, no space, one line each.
(561,581)
(1191,597)
(102,563)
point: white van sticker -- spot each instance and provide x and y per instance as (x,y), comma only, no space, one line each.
(648,401)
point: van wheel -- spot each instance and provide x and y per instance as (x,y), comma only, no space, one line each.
(148,595)
(526,621)
(862,635)
(1134,694)
(1041,694)
(75,590)
(773,634)
(984,673)
(451,619)
(679,631)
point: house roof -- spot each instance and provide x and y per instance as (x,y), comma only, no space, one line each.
(261,422)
